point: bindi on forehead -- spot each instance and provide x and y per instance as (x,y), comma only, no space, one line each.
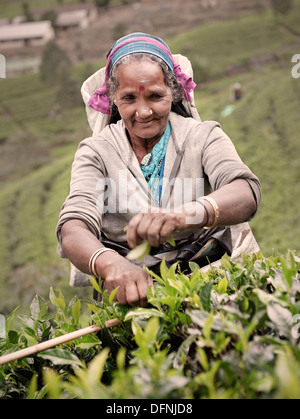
(142,88)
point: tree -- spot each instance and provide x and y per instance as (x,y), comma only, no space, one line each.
(281,7)
(54,59)
(68,92)
(56,71)
(50,15)
(27,13)
(101,3)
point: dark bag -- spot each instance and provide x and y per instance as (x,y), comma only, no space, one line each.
(206,248)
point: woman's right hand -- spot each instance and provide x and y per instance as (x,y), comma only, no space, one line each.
(133,281)
(158,224)
(79,243)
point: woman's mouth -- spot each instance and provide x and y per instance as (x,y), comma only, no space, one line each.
(144,123)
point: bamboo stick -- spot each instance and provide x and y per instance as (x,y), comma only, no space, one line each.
(22,353)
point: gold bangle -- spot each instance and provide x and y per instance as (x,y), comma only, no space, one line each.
(216,211)
(93,258)
(206,211)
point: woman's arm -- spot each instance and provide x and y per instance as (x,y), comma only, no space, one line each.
(235,202)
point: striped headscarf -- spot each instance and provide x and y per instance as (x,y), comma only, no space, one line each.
(134,43)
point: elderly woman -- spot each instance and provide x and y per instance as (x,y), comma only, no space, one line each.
(154,171)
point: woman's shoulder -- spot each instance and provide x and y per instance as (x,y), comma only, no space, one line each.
(183,125)
(106,134)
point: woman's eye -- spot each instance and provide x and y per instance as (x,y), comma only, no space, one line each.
(155,96)
(128,98)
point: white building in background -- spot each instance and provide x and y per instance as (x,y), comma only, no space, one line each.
(4,21)
(29,33)
(73,19)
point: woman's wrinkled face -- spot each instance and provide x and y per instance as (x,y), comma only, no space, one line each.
(143,99)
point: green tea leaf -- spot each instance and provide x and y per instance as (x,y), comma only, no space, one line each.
(222,286)
(139,252)
(60,303)
(36,306)
(53,383)
(10,319)
(86,342)
(96,367)
(171,241)
(32,388)
(95,284)
(205,295)
(225,261)
(93,308)
(208,325)
(183,351)
(267,298)
(281,318)
(100,317)
(28,321)
(76,311)
(112,295)
(145,313)
(203,359)
(163,270)
(60,357)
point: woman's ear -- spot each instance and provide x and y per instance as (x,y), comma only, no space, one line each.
(115,116)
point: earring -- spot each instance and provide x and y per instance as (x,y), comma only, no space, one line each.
(137,114)
(115,102)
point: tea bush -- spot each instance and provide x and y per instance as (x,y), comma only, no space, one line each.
(229,332)
(39,137)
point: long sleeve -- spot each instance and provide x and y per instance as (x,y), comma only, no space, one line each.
(222,163)
(83,200)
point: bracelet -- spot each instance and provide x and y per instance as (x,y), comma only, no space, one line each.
(95,256)
(216,210)
(206,211)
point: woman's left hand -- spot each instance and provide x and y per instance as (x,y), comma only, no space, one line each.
(157,225)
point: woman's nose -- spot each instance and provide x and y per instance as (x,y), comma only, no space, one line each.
(143,110)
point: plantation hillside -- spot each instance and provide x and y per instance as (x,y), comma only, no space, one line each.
(38,138)
(12,8)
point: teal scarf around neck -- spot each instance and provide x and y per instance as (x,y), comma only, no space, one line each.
(153,163)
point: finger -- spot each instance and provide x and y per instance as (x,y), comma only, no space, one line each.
(154,238)
(131,293)
(121,296)
(145,226)
(110,285)
(169,226)
(161,229)
(142,286)
(150,230)
(131,236)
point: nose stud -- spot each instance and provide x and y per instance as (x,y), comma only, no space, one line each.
(150,113)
